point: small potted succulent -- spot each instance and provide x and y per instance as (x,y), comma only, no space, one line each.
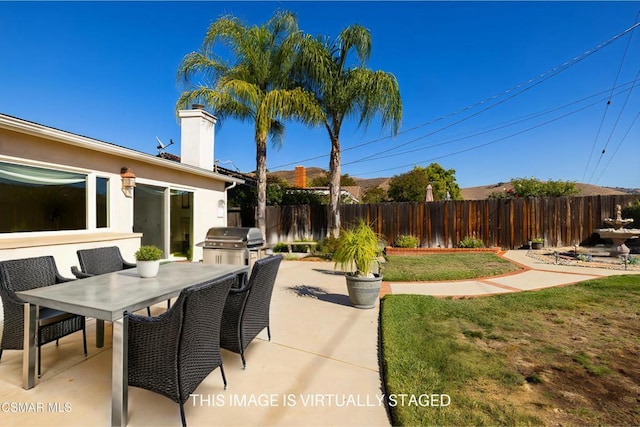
(148,260)
(357,255)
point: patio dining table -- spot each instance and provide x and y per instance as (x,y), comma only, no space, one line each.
(108,297)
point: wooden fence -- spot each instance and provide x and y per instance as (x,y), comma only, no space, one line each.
(561,221)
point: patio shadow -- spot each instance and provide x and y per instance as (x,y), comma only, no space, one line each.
(320,294)
(331,272)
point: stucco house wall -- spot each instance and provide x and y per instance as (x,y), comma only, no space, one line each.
(30,144)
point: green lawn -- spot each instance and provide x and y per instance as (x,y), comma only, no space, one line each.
(447,266)
(559,356)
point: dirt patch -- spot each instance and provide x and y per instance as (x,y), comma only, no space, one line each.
(580,369)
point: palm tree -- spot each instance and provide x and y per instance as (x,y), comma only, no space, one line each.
(343,91)
(253,87)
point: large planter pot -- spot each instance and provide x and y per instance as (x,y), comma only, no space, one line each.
(148,269)
(363,291)
(536,245)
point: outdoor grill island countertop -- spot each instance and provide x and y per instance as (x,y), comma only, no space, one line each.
(108,297)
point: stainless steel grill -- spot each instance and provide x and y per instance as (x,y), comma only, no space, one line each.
(232,245)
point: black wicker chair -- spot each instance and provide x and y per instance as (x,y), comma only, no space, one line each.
(29,273)
(173,353)
(246,312)
(102,261)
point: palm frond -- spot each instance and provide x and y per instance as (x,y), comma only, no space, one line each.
(355,37)
(195,65)
(221,104)
(376,93)
(227,31)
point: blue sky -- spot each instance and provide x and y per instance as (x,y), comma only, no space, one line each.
(483,84)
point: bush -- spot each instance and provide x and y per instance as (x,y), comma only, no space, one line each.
(406,241)
(280,247)
(327,246)
(471,242)
(148,253)
(633,211)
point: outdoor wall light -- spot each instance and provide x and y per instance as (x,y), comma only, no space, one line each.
(128,181)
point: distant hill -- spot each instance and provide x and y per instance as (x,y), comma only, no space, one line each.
(469,193)
(483,191)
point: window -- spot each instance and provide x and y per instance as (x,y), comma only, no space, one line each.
(102,202)
(181,223)
(38,199)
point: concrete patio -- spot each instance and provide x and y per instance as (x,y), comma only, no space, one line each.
(320,368)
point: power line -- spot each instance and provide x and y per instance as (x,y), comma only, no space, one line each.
(490,128)
(555,70)
(606,109)
(618,147)
(615,125)
(486,143)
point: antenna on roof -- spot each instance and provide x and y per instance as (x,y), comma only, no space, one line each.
(161,146)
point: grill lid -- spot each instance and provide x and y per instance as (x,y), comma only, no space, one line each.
(233,236)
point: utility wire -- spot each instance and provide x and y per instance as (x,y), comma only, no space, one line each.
(615,125)
(606,109)
(487,143)
(492,128)
(618,147)
(566,64)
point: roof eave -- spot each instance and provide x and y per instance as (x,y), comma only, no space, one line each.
(41,131)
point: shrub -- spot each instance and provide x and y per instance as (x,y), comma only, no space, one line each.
(148,253)
(471,242)
(280,247)
(406,241)
(633,211)
(327,246)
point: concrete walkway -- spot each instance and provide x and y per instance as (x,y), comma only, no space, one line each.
(320,368)
(535,275)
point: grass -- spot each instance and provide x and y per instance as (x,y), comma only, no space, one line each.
(557,356)
(448,266)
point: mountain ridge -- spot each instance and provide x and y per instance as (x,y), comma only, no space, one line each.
(468,193)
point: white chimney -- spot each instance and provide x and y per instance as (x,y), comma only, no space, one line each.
(196,137)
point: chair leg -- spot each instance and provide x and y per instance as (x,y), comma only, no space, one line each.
(168,304)
(0,354)
(38,355)
(149,311)
(244,362)
(182,417)
(269,332)
(224,379)
(84,340)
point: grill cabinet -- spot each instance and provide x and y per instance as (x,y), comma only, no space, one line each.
(232,245)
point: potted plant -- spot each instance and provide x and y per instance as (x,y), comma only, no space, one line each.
(357,254)
(537,243)
(148,260)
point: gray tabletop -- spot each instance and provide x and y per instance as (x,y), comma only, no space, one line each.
(108,296)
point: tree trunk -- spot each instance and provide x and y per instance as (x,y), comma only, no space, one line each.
(261,171)
(333,228)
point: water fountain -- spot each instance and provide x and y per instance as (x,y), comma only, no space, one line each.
(618,234)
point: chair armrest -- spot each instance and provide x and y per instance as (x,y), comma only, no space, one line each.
(61,279)
(79,274)
(242,284)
